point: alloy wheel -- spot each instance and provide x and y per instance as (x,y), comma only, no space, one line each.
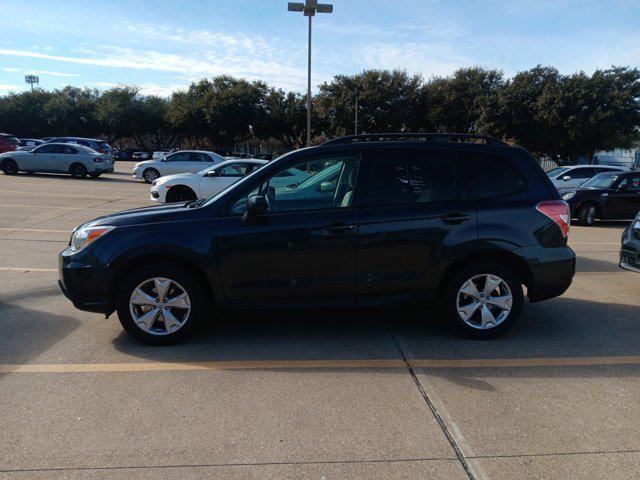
(159,306)
(484,301)
(150,175)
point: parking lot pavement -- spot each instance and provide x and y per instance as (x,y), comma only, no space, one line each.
(328,394)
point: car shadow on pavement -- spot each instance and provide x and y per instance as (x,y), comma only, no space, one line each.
(563,327)
(125,178)
(26,333)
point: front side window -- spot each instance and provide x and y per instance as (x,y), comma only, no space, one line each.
(580,173)
(178,157)
(329,182)
(44,149)
(233,170)
(411,177)
(631,183)
(489,176)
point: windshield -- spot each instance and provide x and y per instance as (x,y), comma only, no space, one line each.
(602,180)
(557,171)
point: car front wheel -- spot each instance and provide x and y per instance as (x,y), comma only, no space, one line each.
(483,300)
(587,215)
(9,167)
(150,175)
(160,304)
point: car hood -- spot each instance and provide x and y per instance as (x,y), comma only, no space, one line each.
(146,215)
(176,176)
(146,162)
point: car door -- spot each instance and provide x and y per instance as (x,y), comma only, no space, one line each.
(64,156)
(42,159)
(303,248)
(178,162)
(624,201)
(413,216)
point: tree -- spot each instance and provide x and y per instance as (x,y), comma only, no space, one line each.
(454,104)
(71,111)
(118,112)
(567,117)
(22,114)
(386,102)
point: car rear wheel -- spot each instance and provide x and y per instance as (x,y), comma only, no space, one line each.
(10,167)
(150,175)
(587,215)
(160,304)
(77,170)
(483,300)
(180,193)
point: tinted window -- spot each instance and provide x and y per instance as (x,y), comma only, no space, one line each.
(401,177)
(488,176)
(69,150)
(179,157)
(42,149)
(631,183)
(200,157)
(578,173)
(233,170)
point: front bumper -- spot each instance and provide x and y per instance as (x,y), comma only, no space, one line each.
(83,281)
(630,251)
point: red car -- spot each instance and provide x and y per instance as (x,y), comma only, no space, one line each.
(8,142)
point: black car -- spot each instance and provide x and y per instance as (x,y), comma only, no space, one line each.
(630,251)
(460,219)
(607,196)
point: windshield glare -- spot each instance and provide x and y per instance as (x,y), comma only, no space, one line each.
(602,180)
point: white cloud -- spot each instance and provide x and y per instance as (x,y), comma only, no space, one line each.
(6,88)
(39,72)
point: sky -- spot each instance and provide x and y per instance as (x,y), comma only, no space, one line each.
(161,45)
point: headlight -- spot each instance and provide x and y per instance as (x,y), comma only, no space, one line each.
(86,235)
(568,196)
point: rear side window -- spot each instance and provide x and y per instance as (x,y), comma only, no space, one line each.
(406,177)
(489,176)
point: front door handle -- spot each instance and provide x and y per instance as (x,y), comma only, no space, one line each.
(333,231)
(455,218)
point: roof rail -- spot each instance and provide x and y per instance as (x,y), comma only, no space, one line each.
(416,137)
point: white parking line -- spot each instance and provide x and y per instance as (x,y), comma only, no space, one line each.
(33,230)
(27,269)
(57,208)
(40,194)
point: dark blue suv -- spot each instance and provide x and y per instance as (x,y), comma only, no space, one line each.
(462,220)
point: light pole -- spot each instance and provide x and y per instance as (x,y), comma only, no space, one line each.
(31,79)
(309,8)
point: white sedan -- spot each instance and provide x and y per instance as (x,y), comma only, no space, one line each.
(184,161)
(213,180)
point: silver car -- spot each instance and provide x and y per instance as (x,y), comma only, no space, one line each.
(76,160)
(183,161)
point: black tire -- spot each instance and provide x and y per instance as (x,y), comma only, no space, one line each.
(150,175)
(456,282)
(9,166)
(180,193)
(185,278)
(95,174)
(31,173)
(77,170)
(588,214)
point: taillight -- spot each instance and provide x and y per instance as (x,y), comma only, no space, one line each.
(559,212)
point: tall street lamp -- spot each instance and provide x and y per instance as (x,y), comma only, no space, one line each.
(309,8)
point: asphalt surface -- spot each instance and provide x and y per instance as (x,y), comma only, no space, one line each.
(375,394)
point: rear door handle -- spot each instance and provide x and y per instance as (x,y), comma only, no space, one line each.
(455,218)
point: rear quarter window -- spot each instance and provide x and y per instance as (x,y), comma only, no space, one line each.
(490,176)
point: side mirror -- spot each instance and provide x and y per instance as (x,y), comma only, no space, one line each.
(566,178)
(326,187)
(623,187)
(256,205)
